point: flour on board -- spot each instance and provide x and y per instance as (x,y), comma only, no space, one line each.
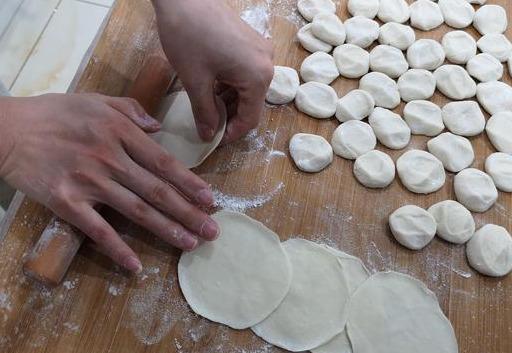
(244,203)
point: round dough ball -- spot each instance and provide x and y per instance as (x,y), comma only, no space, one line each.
(374,169)
(455,152)
(423,118)
(457,13)
(494,96)
(499,166)
(425,54)
(393,11)
(485,67)
(260,273)
(365,8)
(355,105)
(458,46)
(490,19)
(316,99)
(310,8)
(353,139)
(361,31)
(388,60)
(455,224)
(329,28)
(454,82)
(382,88)
(416,84)
(284,85)
(391,130)
(490,251)
(464,118)
(420,172)
(397,35)
(412,226)
(499,131)
(319,67)
(352,61)
(495,44)
(310,42)
(475,190)
(426,15)
(311,153)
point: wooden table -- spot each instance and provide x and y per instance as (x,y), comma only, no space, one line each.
(102,309)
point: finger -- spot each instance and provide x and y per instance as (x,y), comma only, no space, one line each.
(206,114)
(130,108)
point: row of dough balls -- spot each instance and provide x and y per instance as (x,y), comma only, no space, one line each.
(488,250)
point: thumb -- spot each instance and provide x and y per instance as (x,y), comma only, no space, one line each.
(206,114)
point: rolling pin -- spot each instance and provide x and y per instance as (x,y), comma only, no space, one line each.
(50,258)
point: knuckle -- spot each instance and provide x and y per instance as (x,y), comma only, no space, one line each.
(140,211)
(98,232)
(164,163)
(158,194)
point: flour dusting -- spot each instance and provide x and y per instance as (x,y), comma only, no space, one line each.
(241,203)
(258,18)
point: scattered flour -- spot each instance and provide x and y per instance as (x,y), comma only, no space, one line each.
(5,303)
(258,17)
(71,326)
(242,204)
(115,291)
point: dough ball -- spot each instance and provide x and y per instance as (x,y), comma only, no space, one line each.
(457,13)
(499,166)
(311,153)
(329,28)
(495,96)
(388,60)
(490,19)
(339,344)
(260,273)
(485,67)
(425,54)
(455,224)
(413,227)
(319,67)
(424,118)
(495,44)
(355,105)
(416,84)
(393,11)
(374,169)
(499,131)
(391,130)
(490,251)
(382,88)
(458,46)
(284,85)
(420,172)
(361,31)
(311,43)
(455,152)
(310,8)
(426,15)
(454,82)
(464,118)
(353,139)
(316,99)
(397,35)
(475,190)
(352,61)
(365,8)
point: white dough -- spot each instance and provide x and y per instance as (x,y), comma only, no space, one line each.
(499,166)
(464,118)
(391,130)
(353,139)
(260,273)
(457,13)
(2,213)
(490,19)
(455,224)
(319,67)
(490,251)
(404,317)
(284,85)
(365,8)
(412,226)
(329,28)
(361,31)
(455,152)
(311,43)
(426,15)
(454,82)
(382,88)
(475,190)
(316,99)
(310,8)
(179,135)
(485,67)
(374,169)
(458,46)
(416,84)
(339,344)
(499,131)
(495,96)
(478,2)
(393,11)
(397,35)
(311,153)
(388,60)
(495,44)
(352,61)
(355,105)
(425,54)
(420,172)
(424,118)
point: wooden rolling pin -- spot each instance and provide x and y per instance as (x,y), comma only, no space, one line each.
(52,255)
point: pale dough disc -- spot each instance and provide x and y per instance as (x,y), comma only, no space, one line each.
(382,88)
(425,54)
(397,35)
(353,139)
(495,96)
(424,118)
(311,153)
(458,46)
(499,131)
(475,190)
(412,226)
(485,67)
(329,28)
(464,118)
(391,130)
(316,99)
(454,82)
(490,19)
(388,60)
(457,13)
(420,172)
(416,84)
(361,31)
(497,45)
(319,67)
(455,152)
(310,8)
(240,278)
(2,213)
(426,15)
(374,169)
(311,43)
(339,344)
(355,105)
(365,8)
(393,11)
(455,223)
(179,136)
(284,85)
(499,166)
(352,61)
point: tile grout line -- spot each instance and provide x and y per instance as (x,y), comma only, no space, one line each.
(11,19)
(93,3)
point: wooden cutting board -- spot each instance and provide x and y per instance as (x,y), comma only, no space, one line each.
(100,308)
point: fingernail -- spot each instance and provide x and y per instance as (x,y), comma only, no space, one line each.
(205,197)
(210,230)
(189,243)
(133,264)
